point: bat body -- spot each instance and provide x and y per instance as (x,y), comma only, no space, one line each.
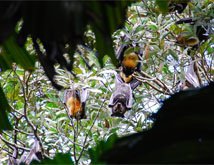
(186,40)
(125,78)
(129,57)
(75,102)
(177,5)
(202,31)
(129,63)
(121,99)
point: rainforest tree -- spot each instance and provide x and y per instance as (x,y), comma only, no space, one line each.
(41,57)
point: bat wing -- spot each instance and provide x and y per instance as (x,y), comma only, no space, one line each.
(111,101)
(67,94)
(129,98)
(120,51)
(84,95)
(135,83)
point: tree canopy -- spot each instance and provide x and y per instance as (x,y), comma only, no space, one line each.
(47,47)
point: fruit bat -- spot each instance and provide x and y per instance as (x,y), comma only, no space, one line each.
(34,154)
(129,62)
(172,5)
(191,79)
(129,58)
(75,102)
(186,39)
(134,83)
(177,5)
(121,99)
(202,31)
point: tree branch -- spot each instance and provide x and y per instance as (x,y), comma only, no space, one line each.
(86,137)
(25,91)
(157,81)
(13,145)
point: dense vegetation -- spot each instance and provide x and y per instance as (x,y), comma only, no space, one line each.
(175,57)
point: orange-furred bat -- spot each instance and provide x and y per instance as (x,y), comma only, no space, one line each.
(202,31)
(129,58)
(75,102)
(129,62)
(126,79)
(186,39)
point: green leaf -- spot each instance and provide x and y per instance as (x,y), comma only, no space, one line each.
(174,55)
(17,54)
(163,6)
(107,18)
(166,69)
(4,122)
(58,159)
(153,27)
(102,147)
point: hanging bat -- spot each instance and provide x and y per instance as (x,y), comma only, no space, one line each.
(75,102)
(129,59)
(129,62)
(177,5)
(172,5)
(121,99)
(34,154)
(186,39)
(202,31)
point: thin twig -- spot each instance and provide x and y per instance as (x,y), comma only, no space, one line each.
(14,145)
(26,133)
(10,136)
(8,152)
(34,128)
(155,80)
(16,111)
(74,147)
(86,137)
(157,89)
(15,133)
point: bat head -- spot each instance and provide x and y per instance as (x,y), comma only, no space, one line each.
(71,93)
(119,106)
(80,115)
(118,110)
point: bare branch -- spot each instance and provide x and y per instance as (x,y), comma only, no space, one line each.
(13,145)
(145,80)
(23,132)
(8,152)
(157,81)
(25,91)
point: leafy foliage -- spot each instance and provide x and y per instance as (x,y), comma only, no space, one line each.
(37,109)
(4,122)
(181,133)
(101,148)
(58,25)
(58,159)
